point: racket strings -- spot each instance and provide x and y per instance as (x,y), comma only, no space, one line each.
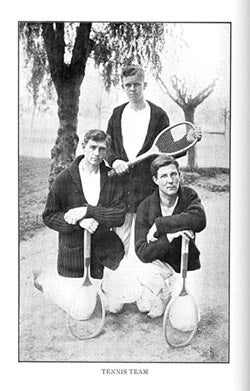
(180,321)
(167,144)
(90,323)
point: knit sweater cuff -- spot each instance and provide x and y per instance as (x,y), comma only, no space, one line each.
(90,211)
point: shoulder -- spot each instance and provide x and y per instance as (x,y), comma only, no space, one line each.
(152,199)
(66,174)
(187,192)
(62,176)
(120,108)
(156,109)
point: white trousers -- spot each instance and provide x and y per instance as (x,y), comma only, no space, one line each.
(58,289)
(147,284)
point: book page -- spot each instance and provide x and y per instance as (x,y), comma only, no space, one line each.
(132,349)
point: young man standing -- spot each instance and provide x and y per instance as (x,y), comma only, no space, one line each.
(133,127)
(172,211)
(83,197)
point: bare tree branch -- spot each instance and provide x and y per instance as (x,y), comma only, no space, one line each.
(165,88)
(182,98)
(201,96)
(180,90)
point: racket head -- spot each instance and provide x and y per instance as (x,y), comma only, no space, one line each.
(86,314)
(172,141)
(178,330)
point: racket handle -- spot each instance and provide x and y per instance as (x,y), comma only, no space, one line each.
(112,173)
(184,256)
(87,247)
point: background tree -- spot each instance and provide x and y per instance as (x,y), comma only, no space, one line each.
(188,102)
(225,112)
(62,50)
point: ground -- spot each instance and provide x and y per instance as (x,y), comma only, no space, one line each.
(129,336)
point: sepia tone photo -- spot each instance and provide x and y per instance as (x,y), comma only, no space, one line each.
(124,192)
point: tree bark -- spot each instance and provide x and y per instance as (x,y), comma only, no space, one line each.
(63,152)
(67,80)
(192,154)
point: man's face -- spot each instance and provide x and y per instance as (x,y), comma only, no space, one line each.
(168,180)
(94,152)
(134,87)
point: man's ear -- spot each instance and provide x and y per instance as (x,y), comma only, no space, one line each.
(155,180)
(145,85)
(83,146)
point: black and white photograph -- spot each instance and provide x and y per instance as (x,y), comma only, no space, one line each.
(124,191)
(125,211)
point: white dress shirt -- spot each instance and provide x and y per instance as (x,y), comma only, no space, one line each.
(134,129)
(91,184)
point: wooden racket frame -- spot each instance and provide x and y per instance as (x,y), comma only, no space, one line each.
(183,292)
(154,150)
(87,282)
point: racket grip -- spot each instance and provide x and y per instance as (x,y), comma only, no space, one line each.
(87,244)
(185,265)
(184,256)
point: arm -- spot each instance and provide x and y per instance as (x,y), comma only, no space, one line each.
(113,213)
(163,122)
(148,252)
(53,215)
(111,155)
(192,218)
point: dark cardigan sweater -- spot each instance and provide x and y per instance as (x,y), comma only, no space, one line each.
(66,193)
(138,182)
(188,214)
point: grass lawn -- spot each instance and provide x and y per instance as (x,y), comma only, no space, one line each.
(33,190)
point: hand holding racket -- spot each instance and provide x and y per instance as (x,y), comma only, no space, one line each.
(86,314)
(172,141)
(180,320)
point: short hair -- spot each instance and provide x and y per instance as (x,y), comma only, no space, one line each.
(162,161)
(132,70)
(97,135)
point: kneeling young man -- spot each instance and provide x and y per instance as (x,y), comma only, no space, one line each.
(83,197)
(172,211)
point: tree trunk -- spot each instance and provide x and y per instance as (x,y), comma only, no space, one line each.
(192,154)
(67,80)
(63,152)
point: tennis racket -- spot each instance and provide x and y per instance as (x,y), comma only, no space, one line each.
(171,141)
(180,320)
(86,313)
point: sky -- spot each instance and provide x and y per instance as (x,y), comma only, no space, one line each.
(206,57)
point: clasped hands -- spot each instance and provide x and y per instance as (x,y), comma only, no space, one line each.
(77,215)
(186,233)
